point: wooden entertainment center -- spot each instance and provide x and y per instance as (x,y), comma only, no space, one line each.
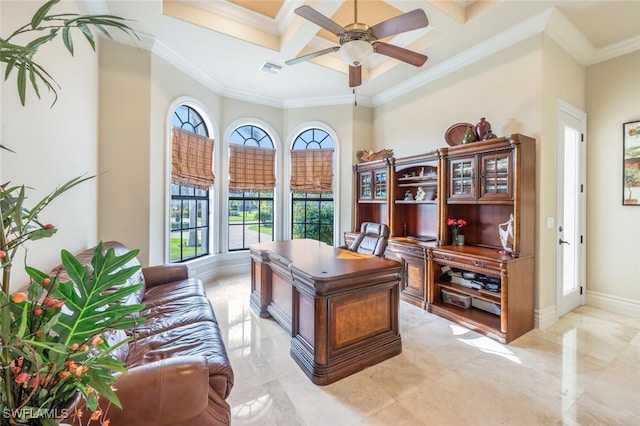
(485,183)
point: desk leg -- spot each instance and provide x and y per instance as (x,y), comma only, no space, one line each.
(260,287)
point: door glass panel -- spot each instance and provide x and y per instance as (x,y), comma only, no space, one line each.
(381,185)
(569,210)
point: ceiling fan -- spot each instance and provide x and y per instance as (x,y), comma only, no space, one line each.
(358,41)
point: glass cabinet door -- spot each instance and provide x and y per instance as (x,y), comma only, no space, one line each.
(364,184)
(462,179)
(380,185)
(496,176)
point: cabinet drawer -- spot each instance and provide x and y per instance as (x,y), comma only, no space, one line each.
(407,250)
(464,261)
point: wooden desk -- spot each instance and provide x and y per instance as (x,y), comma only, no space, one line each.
(340,307)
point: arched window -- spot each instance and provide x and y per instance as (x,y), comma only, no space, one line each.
(189,216)
(312,204)
(251,187)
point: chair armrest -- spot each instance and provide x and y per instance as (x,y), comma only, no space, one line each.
(162,274)
(163,392)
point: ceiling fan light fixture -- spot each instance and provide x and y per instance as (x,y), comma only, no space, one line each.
(355,52)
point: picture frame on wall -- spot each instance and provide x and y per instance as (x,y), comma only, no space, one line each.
(631,163)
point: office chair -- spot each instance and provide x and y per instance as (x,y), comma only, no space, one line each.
(372,239)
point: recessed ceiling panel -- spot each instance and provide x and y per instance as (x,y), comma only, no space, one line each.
(268,8)
(603,23)
(369,12)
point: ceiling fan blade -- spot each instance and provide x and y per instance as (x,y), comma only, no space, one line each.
(355,76)
(319,19)
(400,53)
(311,55)
(400,24)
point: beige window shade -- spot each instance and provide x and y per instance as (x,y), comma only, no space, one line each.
(312,170)
(251,168)
(191,159)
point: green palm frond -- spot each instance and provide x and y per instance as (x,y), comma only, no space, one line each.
(20,57)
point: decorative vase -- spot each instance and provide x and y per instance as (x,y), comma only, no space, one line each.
(469,136)
(454,236)
(482,129)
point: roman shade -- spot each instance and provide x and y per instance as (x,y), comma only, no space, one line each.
(191,159)
(312,170)
(251,168)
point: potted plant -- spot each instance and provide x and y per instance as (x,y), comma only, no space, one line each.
(56,340)
(631,178)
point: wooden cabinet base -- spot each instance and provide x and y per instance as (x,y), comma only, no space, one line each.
(473,319)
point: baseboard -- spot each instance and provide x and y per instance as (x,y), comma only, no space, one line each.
(212,267)
(543,318)
(615,304)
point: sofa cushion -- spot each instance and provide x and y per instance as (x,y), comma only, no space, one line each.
(116,336)
(159,295)
(174,313)
(201,338)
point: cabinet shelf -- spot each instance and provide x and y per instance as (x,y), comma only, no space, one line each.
(473,318)
(415,184)
(417,201)
(478,294)
(431,178)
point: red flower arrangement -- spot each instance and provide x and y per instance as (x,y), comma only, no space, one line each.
(456,224)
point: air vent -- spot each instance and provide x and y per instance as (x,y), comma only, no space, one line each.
(270,67)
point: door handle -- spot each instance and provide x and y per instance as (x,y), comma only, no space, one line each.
(561,241)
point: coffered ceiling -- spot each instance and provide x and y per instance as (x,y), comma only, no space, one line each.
(226,43)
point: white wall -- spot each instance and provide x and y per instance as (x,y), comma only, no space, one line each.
(562,78)
(53,144)
(613,267)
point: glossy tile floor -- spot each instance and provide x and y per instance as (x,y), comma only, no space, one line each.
(583,370)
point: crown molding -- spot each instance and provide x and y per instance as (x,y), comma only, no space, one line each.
(551,22)
(490,46)
(614,50)
(328,101)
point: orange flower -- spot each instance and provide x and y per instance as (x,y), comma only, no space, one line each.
(21,378)
(97,340)
(96,414)
(19,297)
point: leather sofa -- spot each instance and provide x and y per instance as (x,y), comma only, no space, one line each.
(178,368)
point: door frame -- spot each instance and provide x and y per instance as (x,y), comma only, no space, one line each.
(569,115)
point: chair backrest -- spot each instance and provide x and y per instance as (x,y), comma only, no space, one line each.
(372,239)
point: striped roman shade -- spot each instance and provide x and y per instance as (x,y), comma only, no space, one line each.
(191,159)
(312,170)
(251,168)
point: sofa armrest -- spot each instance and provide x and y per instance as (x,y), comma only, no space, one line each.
(162,274)
(164,392)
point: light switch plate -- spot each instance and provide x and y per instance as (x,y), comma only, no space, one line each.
(550,223)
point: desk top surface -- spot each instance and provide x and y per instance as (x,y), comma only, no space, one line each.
(322,261)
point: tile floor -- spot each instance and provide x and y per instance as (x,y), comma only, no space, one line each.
(583,370)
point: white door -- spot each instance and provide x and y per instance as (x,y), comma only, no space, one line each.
(571,208)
